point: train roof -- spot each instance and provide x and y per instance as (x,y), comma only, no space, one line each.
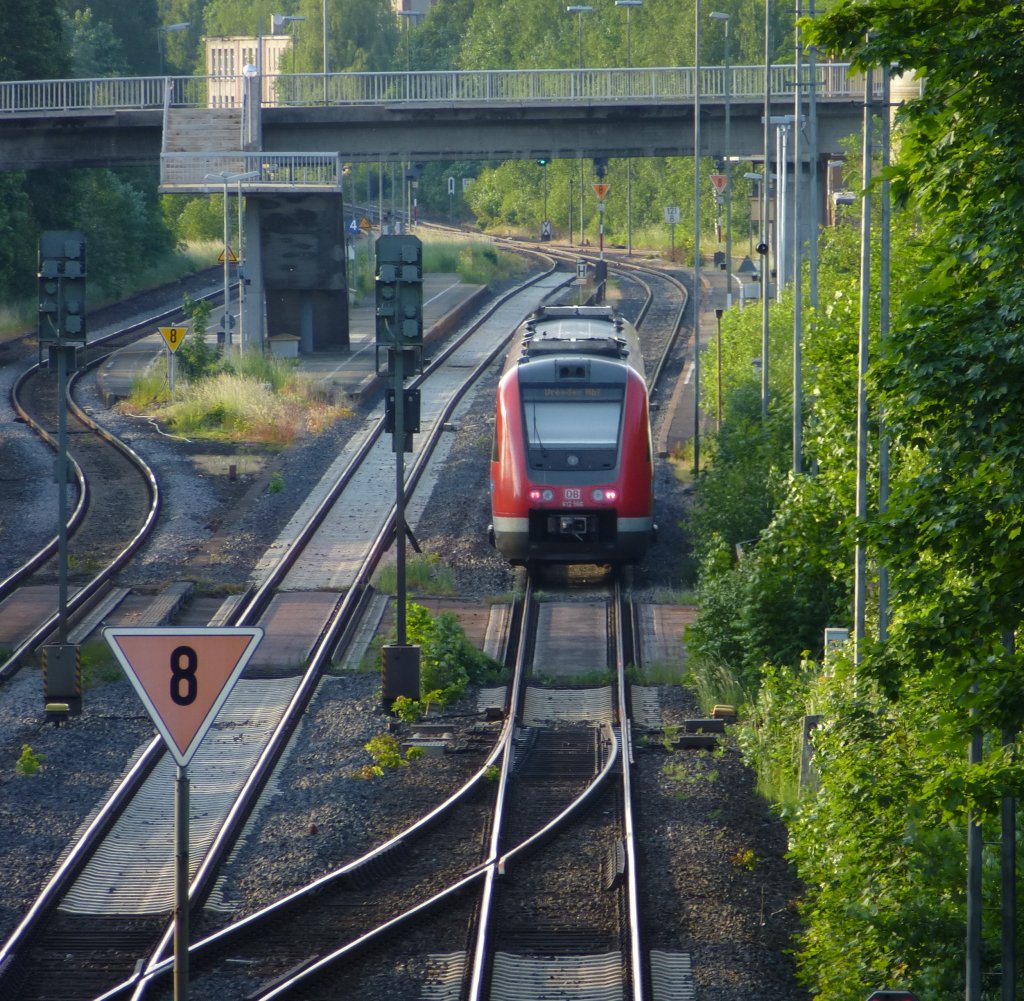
(590,330)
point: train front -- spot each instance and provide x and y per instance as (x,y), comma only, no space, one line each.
(571,470)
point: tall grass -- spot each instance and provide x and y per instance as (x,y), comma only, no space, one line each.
(259,398)
(476,262)
(17,318)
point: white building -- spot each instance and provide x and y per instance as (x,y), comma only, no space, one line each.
(226,57)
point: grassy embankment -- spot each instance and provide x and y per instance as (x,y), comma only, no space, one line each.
(259,399)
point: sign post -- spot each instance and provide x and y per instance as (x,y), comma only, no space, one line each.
(183,677)
(601,190)
(173,336)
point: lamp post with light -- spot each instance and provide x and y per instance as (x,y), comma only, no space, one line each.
(629,5)
(166,29)
(407,16)
(279,21)
(579,10)
(225,178)
(717,15)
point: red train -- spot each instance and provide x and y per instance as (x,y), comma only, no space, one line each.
(572,472)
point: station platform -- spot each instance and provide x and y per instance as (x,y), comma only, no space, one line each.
(348,375)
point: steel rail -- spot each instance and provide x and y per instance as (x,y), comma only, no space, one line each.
(203,880)
(81,598)
(637,966)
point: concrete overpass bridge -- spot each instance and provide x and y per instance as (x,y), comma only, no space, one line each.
(282,140)
(436,115)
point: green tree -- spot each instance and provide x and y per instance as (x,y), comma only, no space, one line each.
(40,52)
(132,28)
(95,48)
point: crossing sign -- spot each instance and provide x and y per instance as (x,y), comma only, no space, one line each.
(173,336)
(183,675)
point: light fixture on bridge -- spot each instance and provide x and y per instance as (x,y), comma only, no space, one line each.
(166,29)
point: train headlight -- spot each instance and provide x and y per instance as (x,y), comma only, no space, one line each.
(604,495)
(541,495)
(548,495)
(598,495)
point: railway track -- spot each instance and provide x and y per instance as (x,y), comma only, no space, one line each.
(113,499)
(250,770)
(121,939)
(538,911)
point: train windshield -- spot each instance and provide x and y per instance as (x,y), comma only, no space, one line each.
(565,423)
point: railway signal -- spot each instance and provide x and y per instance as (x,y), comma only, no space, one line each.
(399,293)
(399,287)
(61,287)
(62,330)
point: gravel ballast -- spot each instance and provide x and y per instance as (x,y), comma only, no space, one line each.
(718,879)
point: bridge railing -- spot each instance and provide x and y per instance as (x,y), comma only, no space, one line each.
(667,84)
(273,171)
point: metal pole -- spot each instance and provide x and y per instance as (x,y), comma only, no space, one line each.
(629,5)
(718,318)
(972,987)
(583,221)
(764,246)
(728,173)
(860,553)
(798,320)
(1008,866)
(399,440)
(696,241)
(883,333)
(812,135)
(227,276)
(62,492)
(570,211)
(326,32)
(181,874)
(238,272)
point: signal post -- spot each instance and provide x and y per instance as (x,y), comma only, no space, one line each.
(399,330)
(62,331)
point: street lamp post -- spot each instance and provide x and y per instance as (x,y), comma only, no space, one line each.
(724,18)
(278,21)
(184,26)
(326,49)
(225,178)
(407,16)
(579,10)
(629,5)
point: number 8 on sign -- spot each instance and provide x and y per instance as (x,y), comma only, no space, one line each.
(183,676)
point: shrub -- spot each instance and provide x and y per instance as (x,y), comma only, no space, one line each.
(29,763)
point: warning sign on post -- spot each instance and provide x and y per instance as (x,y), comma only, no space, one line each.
(719,182)
(183,676)
(600,189)
(173,336)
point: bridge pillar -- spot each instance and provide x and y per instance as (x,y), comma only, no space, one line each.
(297,265)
